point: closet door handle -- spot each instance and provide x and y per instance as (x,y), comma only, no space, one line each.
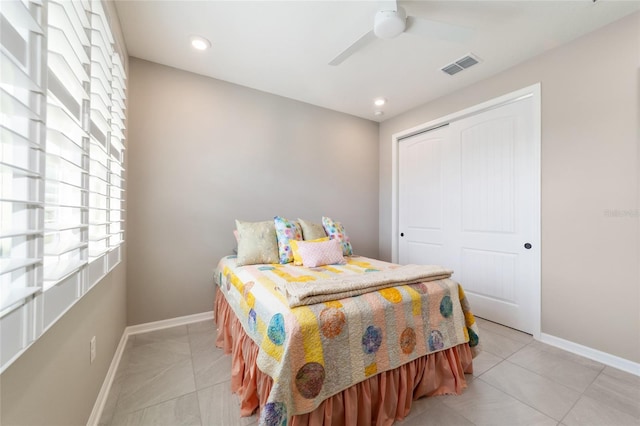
(402,234)
(527,245)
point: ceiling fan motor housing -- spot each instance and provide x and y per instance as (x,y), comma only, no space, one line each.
(389,23)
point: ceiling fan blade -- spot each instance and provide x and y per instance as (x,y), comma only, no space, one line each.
(439,30)
(358,44)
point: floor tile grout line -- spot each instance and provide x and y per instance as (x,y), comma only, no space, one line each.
(544,377)
(163,368)
(505,337)
(572,407)
(161,402)
(526,367)
(608,405)
(496,355)
(519,400)
(580,393)
(124,374)
(490,368)
(157,403)
(142,369)
(193,371)
(454,408)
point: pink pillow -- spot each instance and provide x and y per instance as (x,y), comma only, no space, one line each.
(320,253)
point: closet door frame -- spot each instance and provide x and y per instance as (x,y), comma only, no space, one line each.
(534,93)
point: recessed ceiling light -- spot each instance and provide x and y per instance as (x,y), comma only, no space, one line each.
(200,43)
(378,113)
(379,101)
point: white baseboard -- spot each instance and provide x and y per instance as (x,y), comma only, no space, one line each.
(594,354)
(168,323)
(101,400)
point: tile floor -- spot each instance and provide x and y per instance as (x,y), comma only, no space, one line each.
(177,376)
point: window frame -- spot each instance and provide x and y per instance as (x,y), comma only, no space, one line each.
(53,249)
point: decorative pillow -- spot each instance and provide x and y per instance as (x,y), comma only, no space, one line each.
(320,253)
(335,231)
(297,260)
(311,231)
(285,232)
(257,242)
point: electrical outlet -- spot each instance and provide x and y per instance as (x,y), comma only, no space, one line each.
(92,349)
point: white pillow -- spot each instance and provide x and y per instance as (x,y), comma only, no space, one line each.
(257,243)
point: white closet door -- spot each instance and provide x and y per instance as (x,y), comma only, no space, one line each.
(422,198)
(497,212)
(467,201)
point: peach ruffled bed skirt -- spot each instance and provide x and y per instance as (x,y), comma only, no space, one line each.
(379,400)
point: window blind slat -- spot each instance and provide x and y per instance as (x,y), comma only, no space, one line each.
(99,60)
(98,185)
(11,265)
(98,104)
(98,201)
(58,270)
(20,17)
(64,15)
(61,21)
(59,120)
(98,87)
(14,106)
(58,247)
(16,295)
(99,20)
(66,149)
(11,137)
(119,103)
(81,9)
(13,74)
(117,146)
(63,227)
(73,83)
(117,132)
(19,157)
(59,218)
(60,44)
(62,172)
(101,123)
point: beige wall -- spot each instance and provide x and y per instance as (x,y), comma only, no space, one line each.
(203,152)
(590,164)
(53,383)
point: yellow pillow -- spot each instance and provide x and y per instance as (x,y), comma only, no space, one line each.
(297,259)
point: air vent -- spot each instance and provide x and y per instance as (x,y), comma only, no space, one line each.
(452,69)
(461,64)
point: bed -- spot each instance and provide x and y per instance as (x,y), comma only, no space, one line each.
(356,358)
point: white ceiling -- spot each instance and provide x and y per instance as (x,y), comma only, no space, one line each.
(283,47)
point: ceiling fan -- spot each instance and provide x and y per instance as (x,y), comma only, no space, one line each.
(391,20)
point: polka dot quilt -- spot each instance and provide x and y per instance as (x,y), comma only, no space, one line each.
(313,352)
